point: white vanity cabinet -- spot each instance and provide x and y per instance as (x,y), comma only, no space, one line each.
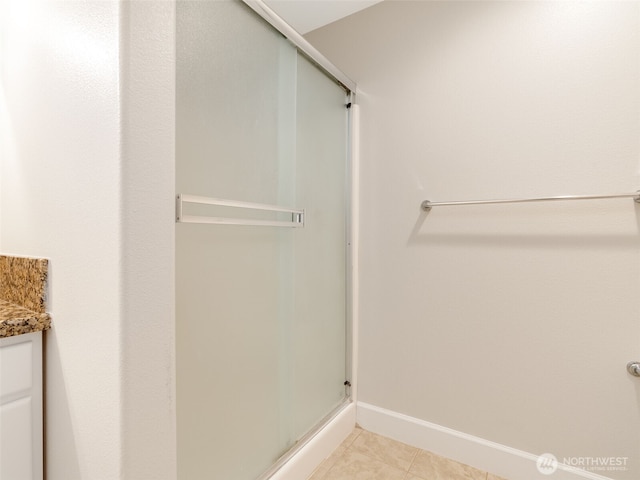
(21,454)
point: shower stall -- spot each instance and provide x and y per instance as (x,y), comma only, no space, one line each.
(263,250)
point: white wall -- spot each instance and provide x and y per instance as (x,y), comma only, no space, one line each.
(148,227)
(510,323)
(307,15)
(87,181)
(61,199)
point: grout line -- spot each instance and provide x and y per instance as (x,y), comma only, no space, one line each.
(371,456)
(415,455)
(330,464)
(355,437)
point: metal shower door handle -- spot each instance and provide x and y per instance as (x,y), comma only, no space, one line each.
(634,368)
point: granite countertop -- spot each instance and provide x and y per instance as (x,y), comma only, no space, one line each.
(23,295)
(16,320)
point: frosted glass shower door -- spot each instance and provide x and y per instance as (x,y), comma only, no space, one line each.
(319,333)
(261,310)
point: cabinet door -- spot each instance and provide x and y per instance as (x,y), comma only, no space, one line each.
(21,407)
(16,440)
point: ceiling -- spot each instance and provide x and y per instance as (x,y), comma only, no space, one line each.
(307,15)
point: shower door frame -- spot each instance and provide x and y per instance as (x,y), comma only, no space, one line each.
(299,42)
(349,86)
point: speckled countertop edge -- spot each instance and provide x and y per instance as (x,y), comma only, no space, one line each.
(17,320)
(23,295)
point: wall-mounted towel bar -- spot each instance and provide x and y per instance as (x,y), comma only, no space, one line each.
(427,204)
(297,215)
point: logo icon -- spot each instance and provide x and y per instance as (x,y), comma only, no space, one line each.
(547,464)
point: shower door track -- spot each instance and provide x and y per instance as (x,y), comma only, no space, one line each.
(304,440)
(301,44)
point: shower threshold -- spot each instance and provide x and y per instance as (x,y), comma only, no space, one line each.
(305,439)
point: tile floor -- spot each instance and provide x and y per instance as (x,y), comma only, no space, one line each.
(367,456)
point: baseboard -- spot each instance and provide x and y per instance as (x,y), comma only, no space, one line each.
(311,455)
(485,455)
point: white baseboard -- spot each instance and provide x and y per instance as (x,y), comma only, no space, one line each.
(485,455)
(303,463)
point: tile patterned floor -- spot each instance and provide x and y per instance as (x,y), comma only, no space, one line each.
(367,456)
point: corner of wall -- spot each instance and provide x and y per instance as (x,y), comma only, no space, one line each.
(148,185)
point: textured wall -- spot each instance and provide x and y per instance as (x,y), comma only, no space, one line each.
(511,323)
(148,229)
(61,198)
(87,182)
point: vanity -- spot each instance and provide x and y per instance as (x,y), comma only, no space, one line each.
(22,322)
